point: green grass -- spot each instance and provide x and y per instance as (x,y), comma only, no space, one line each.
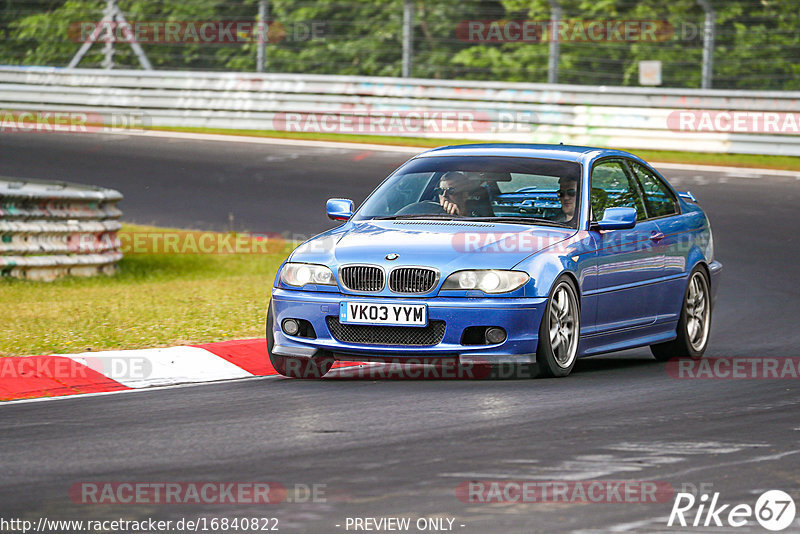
(790,163)
(154,300)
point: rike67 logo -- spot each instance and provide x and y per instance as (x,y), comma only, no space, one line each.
(774,510)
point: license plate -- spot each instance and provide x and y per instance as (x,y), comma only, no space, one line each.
(379,313)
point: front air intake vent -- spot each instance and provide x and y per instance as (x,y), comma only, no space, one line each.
(400,336)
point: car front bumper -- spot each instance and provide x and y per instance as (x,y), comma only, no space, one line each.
(520,317)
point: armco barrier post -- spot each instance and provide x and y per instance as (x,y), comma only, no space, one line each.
(53,229)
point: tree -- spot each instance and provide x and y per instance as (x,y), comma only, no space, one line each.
(756,40)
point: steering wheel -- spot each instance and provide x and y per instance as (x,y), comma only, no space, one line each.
(426,207)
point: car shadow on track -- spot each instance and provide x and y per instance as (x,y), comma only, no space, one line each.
(453,371)
(615,362)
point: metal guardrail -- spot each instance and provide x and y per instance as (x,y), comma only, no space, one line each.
(51,229)
(634,118)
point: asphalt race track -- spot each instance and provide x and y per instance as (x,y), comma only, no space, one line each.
(190,184)
(400,448)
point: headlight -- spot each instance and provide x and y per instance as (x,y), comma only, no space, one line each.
(300,274)
(487,281)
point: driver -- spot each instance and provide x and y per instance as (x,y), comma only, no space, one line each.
(455,188)
(568,194)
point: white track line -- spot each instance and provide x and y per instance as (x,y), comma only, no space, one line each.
(744,172)
(333,373)
(78,396)
(274,141)
(740,172)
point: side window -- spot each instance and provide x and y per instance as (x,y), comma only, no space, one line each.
(657,196)
(613,188)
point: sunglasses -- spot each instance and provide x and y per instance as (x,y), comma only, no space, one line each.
(447,191)
(566,193)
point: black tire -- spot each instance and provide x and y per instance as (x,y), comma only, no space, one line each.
(315,367)
(557,361)
(688,344)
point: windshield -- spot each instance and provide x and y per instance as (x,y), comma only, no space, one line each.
(518,189)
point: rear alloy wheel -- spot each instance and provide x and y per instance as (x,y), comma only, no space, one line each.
(288,366)
(694,323)
(560,330)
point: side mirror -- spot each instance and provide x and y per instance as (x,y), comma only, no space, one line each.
(617,219)
(339,209)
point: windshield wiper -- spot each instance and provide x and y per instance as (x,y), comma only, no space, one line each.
(440,216)
(447,217)
(521,220)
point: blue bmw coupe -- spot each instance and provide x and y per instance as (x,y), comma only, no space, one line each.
(489,254)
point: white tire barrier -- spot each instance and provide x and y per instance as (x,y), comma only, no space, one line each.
(53,229)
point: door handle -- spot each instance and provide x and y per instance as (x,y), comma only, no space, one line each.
(656,236)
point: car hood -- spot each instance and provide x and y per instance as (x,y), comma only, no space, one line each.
(446,245)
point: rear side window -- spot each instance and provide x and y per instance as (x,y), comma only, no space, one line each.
(612,187)
(657,196)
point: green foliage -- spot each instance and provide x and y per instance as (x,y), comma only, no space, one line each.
(154,300)
(45,35)
(756,40)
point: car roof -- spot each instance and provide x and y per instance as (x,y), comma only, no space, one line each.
(560,152)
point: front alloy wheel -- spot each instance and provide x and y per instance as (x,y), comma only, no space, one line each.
(560,330)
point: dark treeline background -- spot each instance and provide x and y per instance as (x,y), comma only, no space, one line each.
(757,41)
